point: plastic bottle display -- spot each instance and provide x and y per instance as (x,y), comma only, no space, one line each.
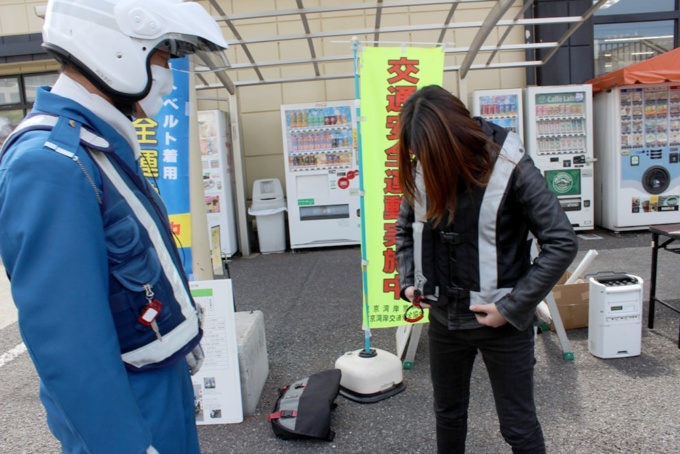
(320,138)
(502,110)
(561,123)
(650,117)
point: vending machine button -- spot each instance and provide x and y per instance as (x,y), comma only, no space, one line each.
(635,160)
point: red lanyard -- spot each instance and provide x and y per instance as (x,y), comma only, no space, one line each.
(415,307)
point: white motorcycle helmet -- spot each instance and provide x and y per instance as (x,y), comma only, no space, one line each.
(111,41)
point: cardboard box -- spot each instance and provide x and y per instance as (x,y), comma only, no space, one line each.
(572,303)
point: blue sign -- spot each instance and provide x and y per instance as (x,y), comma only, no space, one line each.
(164,141)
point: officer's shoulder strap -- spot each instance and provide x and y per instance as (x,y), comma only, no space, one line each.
(66,135)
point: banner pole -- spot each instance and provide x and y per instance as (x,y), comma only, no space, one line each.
(364,261)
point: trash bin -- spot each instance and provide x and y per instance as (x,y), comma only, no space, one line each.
(268,206)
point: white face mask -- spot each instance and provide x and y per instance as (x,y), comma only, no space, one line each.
(161,86)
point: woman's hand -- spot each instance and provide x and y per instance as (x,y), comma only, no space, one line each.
(410,294)
(488,315)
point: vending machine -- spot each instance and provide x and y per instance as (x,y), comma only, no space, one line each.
(219,185)
(559,138)
(322,174)
(502,107)
(638,151)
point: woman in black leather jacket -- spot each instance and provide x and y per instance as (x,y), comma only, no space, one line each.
(480,200)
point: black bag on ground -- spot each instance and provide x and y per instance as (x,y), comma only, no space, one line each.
(303,409)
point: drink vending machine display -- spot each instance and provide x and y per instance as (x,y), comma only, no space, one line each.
(322,174)
(638,152)
(559,138)
(502,107)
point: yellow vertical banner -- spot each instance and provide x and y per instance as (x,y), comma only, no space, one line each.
(388,76)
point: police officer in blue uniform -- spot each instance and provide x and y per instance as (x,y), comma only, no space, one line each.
(104,305)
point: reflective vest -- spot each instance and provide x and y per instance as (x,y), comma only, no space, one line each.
(144,265)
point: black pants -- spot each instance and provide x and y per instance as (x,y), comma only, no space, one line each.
(509,358)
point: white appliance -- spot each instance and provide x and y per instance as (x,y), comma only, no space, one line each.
(322,174)
(559,138)
(218,176)
(637,137)
(502,107)
(615,315)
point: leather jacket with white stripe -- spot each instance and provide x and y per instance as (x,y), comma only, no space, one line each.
(485,255)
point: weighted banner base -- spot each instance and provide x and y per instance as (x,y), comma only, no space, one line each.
(369,377)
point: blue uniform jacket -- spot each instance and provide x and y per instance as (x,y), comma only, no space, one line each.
(78,262)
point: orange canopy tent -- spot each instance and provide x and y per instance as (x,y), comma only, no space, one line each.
(662,68)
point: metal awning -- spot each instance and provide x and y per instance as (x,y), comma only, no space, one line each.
(324,49)
(315,43)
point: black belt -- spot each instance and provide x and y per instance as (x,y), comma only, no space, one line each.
(450,237)
(453,291)
(456,237)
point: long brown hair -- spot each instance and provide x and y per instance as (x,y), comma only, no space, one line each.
(436,129)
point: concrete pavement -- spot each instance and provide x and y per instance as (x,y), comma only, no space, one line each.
(311,302)
(8,312)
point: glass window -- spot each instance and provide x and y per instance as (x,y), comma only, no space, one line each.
(620,45)
(634,6)
(32,82)
(8,121)
(9,91)
(14,104)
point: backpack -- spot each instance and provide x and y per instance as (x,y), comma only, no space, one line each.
(303,408)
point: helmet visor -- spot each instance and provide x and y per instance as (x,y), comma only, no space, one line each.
(205,55)
(207,62)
